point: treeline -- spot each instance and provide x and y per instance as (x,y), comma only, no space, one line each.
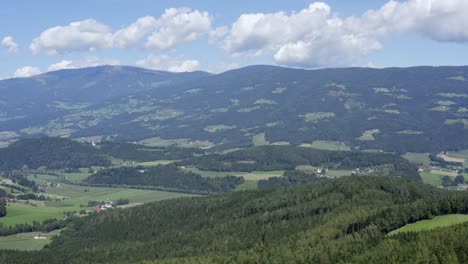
(52,153)
(20,179)
(44,226)
(166,176)
(289,157)
(135,152)
(343,220)
(61,153)
(289,178)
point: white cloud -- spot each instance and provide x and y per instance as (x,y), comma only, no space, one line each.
(175,26)
(179,25)
(85,35)
(315,36)
(10,44)
(440,20)
(166,63)
(26,71)
(89,62)
(133,33)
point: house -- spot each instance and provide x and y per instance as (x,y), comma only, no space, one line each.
(39,236)
(7,199)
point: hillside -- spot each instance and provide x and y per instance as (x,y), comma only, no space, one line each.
(343,220)
(419,109)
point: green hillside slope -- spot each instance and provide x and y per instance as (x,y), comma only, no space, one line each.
(337,221)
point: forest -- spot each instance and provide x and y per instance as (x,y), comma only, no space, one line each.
(289,157)
(167,177)
(343,220)
(61,153)
(52,153)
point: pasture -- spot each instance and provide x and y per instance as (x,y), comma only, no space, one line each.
(328,145)
(26,241)
(73,198)
(436,222)
(259,140)
(418,158)
(18,213)
(248,176)
(431,178)
(462,154)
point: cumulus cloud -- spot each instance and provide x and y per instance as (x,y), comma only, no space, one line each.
(26,71)
(85,35)
(316,37)
(440,20)
(175,26)
(179,25)
(133,33)
(89,62)
(10,44)
(166,63)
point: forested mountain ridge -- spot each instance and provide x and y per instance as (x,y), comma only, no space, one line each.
(418,109)
(337,221)
(265,158)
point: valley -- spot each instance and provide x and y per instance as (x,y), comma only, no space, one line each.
(233,167)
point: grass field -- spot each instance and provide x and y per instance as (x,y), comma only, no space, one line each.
(76,198)
(463,154)
(430,178)
(25,214)
(368,135)
(444,172)
(248,185)
(80,195)
(181,142)
(155,163)
(438,221)
(259,140)
(418,158)
(26,241)
(327,145)
(248,176)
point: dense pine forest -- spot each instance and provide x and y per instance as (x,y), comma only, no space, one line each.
(336,221)
(167,177)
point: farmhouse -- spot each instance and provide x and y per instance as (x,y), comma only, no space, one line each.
(39,236)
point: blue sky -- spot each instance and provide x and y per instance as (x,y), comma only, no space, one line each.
(38,36)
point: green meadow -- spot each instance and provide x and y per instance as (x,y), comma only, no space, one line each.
(26,241)
(436,222)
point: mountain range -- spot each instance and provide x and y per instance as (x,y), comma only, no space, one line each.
(418,109)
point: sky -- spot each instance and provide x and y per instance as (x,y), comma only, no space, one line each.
(215,36)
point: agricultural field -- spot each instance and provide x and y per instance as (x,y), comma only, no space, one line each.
(76,195)
(19,213)
(327,145)
(248,185)
(259,140)
(443,172)
(155,163)
(436,222)
(181,142)
(368,135)
(248,176)
(462,154)
(73,198)
(314,117)
(431,178)
(418,158)
(26,241)
(331,172)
